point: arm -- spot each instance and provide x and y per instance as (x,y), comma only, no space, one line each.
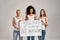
(35,17)
(46,21)
(26,17)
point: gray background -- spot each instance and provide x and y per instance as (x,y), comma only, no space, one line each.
(7,12)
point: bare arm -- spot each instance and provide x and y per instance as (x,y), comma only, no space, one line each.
(35,17)
(26,17)
(46,21)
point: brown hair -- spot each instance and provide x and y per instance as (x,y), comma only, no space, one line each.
(41,13)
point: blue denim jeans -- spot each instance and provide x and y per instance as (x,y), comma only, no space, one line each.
(16,34)
(43,35)
(28,37)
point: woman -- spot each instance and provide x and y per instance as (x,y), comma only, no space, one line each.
(15,23)
(30,15)
(44,20)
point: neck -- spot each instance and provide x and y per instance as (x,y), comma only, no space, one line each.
(18,16)
(30,13)
(42,16)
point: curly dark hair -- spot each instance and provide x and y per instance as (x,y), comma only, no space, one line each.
(28,10)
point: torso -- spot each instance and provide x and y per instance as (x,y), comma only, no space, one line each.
(17,20)
(31,17)
(43,19)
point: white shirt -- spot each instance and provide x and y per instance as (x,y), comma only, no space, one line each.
(43,25)
(17,22)
(31,17)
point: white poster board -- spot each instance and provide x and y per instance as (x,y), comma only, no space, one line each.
(30,28)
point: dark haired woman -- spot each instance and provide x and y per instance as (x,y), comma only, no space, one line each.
(30,15)
(44,20)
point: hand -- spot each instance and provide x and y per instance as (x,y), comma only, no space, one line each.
(41,20)
(46,24)
(18,28)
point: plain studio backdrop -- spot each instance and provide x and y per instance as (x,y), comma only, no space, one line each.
(8,11)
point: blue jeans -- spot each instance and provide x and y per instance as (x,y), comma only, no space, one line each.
(16,34)
(28,37)
(43,35)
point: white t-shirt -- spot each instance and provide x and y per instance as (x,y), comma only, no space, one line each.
(43,25)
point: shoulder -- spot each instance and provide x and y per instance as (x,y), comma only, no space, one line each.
(21,18)
(46,17)
(14,17)
(34,14)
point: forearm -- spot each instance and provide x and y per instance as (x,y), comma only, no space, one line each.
(15,26)
(46,21)
(46,24)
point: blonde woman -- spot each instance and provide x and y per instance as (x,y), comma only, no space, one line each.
(15,23)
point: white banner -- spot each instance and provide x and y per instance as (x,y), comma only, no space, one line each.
(30,28)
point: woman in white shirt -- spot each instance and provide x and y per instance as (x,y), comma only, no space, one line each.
(15,23)
(30,15)
(44,20)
